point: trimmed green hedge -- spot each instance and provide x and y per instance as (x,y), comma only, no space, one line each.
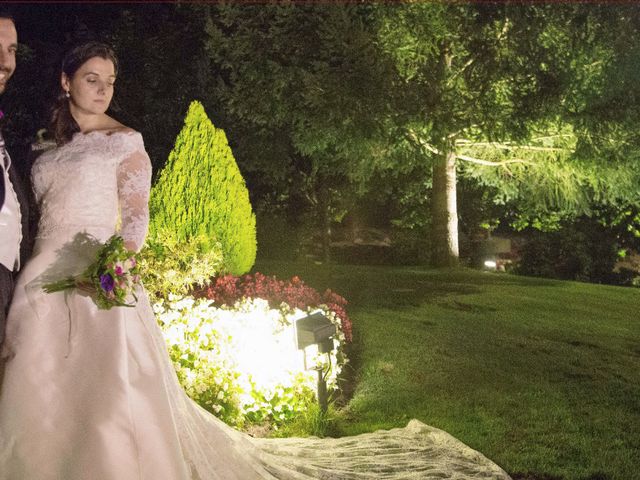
(201,193)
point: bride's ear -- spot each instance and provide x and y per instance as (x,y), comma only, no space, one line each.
(64,82)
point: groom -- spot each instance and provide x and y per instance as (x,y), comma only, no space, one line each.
(14,205)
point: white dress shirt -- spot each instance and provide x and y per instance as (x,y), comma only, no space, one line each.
(10,222)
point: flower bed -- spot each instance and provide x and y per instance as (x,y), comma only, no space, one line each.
(234,349)
(281,295)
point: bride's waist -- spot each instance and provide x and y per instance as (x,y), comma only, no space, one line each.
(69,230)
(63,252)
(59,235)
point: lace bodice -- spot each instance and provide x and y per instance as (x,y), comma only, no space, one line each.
(97,183)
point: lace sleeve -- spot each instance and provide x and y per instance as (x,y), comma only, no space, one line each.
(134,182)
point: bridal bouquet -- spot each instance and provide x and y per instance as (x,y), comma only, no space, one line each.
(110,280)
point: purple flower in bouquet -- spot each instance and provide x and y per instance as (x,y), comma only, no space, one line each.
(111,279)
(106,282)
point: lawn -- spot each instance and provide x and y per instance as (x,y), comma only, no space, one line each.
(541,376)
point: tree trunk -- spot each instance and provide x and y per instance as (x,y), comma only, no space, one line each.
(444,210)
(324,218)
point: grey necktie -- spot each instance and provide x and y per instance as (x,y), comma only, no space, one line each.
(5,162)
(3,152)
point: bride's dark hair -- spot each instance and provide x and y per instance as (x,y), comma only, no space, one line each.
(62,124)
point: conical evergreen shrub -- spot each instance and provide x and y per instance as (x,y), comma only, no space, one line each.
(201,194)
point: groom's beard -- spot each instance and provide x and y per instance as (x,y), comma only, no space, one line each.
(5,75)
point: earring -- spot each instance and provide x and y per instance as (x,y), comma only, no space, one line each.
(67,94)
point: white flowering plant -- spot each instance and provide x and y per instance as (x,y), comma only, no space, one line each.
(241,362)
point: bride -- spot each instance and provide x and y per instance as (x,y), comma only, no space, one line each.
(91,394)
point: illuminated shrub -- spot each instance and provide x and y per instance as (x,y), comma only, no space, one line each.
(240,362)
(176,267)
(201,193)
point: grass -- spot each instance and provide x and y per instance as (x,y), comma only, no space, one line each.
(541,376)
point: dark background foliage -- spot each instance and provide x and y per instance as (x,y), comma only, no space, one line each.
(317,101)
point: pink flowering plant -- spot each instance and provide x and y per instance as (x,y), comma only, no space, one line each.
(110,280)
(285,295)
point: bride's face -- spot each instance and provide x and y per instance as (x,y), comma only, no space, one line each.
(91,87)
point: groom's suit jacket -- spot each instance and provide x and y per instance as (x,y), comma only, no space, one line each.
(19,174)
(19,180)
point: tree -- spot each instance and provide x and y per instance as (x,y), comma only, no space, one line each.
(161,70)
(297,83)
(478,84)
(323,102)
(201,192)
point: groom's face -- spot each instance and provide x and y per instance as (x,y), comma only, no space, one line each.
(8,47)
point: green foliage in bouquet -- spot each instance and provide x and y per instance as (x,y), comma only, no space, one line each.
(169,266)
(201,192)
(110,280)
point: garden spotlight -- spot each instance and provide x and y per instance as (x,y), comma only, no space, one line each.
(316,329)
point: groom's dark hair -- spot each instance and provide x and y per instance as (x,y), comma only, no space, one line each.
(6,12)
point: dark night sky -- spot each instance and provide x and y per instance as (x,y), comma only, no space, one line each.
(45,30)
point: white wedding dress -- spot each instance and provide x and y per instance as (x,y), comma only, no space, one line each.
(91,394)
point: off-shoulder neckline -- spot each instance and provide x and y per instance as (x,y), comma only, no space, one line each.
(107,133)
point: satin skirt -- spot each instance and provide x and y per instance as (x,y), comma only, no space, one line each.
(91,394)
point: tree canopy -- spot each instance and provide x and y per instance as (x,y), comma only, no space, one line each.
(528,108)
